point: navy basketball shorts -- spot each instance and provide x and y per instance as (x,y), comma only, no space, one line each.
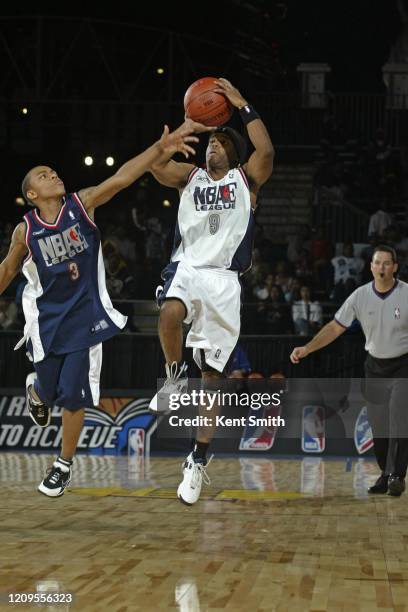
(70,381)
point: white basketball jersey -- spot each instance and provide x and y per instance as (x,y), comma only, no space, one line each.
(215,222)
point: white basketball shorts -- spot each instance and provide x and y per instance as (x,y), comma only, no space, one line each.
(212,297)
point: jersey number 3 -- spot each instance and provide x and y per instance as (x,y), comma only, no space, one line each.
(214,223)
(73,270)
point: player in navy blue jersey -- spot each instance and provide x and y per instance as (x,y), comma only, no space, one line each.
(68,312)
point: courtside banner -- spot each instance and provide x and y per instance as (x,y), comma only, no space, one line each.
(119,425)
(313,429)
(262,437)
(260,413)
(363,436)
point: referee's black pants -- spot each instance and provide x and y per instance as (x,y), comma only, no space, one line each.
(386,392)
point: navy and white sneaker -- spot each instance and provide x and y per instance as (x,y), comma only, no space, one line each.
(175,384)
(39,412)
(57,479)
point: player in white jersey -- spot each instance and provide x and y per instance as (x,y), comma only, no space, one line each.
(212,247)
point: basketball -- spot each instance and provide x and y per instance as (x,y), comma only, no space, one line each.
(206,106)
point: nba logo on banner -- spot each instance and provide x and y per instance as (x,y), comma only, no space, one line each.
(136,442)
(313,429)
(260,438)
(363,437)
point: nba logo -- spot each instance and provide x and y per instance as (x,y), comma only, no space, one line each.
(363,437)
(397,314)
(313,429)
(136,442)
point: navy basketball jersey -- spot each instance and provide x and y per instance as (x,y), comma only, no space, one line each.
(215,222)
(65,301)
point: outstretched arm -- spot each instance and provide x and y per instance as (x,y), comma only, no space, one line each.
(10,266)
(166,170)
(260,164)
(325,336)
(179,140)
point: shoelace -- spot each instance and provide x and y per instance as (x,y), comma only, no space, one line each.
(56,476)
(199,471)
(172,374)
(32,398)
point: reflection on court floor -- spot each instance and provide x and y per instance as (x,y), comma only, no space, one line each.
(268,534)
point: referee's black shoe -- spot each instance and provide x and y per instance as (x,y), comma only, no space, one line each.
(39,412)
(380,486)
(396,485)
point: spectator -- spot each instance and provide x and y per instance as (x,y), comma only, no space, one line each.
(8,314)
(307,315)
(293,293)
(155,242)
(263,243)
(126,246)
(119,280)
(347,273)
(379,221)
(239,366)
(276,317)
(283,276)
(304,266)
(263,288)
(298,242)
(259,269)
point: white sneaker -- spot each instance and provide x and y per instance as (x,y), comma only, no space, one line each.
(176,383)
(194,473)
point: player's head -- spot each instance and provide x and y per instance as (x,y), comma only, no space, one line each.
(226,147)
(384,263)
(41,183)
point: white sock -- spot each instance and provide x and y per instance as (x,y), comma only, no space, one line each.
(63,464)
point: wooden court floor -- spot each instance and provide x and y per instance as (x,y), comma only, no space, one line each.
(268,535)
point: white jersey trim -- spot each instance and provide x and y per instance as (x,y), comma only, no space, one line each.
(50,225)
(95,366)
(32,291)
(27,237)
(83,210)
(116,317)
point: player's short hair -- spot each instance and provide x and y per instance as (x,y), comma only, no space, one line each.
(387,249)
(238,142)
(25,186)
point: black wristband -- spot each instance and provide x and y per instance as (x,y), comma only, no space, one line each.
(248,114)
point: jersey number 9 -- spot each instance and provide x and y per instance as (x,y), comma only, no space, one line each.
(214,223)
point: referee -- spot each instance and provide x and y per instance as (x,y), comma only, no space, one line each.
(381,307)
